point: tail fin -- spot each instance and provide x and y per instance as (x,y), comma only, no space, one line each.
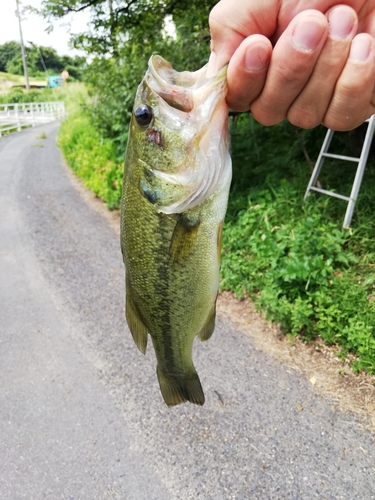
(178,390)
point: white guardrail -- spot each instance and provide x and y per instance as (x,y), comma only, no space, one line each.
(29,114)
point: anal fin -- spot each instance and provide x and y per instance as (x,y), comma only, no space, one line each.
(176,390)
(137,327)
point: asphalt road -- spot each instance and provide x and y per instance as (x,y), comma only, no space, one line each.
(81,416)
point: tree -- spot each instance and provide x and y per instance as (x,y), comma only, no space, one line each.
(11,60)
(8,51)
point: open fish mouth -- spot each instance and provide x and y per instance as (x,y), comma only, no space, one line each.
(181,90)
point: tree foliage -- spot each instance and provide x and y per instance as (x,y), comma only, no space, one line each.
(114,20)
(8,51)
(11,60)
(121,38)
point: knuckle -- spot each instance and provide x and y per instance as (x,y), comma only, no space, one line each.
(341,123)
(238,101)
(293,74)
(349,89)
(238,106)
(217,16)
(265,117)
(346,113)
(304,118)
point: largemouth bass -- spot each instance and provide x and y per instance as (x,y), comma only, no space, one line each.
(176,183)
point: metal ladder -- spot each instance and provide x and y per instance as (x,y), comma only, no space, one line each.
(358,176)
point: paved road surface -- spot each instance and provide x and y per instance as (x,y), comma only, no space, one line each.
(81,417)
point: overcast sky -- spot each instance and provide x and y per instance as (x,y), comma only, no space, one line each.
(33,27)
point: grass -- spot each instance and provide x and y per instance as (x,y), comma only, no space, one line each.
(7,80)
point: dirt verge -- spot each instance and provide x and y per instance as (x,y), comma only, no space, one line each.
(328,375)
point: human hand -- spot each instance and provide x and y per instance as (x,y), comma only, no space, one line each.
(319,71)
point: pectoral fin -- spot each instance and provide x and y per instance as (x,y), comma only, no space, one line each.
(184,238)
(137,327)
(148,192)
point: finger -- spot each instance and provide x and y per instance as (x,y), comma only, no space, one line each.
(292,63)
(351,102)
(308,110)
(231,22)
(247,72)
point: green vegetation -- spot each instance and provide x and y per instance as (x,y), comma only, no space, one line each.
(8,80)
(74,95)
(92,158)
(11,61)
(292,258)
(18,95)
(131,33)
(17,79)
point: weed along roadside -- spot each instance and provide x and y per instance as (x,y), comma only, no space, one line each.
(92,158)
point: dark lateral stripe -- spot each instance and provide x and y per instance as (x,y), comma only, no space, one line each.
(162,291)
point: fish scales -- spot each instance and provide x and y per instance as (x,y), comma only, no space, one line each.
(176,182)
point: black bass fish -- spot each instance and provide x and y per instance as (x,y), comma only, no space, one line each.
(175,191)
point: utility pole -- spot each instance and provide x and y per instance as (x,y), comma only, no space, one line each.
(22,48)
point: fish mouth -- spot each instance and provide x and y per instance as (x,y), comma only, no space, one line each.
(180,89)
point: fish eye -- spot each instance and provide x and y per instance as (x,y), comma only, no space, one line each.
(143,115)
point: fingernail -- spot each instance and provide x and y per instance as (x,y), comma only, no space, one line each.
(256,57)
(307,34)
(360,48)
(211,66)
(340,22)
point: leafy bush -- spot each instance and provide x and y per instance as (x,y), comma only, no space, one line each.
(19,95)
(293,258)
(92,158)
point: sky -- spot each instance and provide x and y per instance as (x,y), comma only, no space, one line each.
(33,27)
